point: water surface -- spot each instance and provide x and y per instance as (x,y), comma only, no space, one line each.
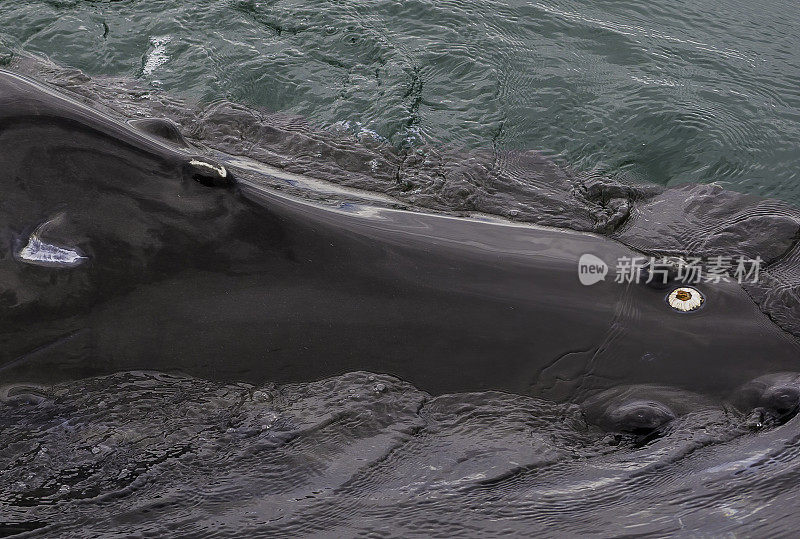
(662,91)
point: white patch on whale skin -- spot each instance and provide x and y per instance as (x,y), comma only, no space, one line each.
(41,253)
(219,170)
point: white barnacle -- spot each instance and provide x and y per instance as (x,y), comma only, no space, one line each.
(41,253)
(685,299)
(219,170)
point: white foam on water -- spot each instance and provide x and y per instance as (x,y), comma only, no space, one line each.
(157,56)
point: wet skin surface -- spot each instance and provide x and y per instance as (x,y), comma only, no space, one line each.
(185,271)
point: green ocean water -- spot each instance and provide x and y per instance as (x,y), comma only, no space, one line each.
(658,91)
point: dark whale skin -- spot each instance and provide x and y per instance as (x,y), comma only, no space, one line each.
(247,283)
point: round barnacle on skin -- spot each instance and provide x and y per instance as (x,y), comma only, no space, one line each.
(208,172)
(685,299)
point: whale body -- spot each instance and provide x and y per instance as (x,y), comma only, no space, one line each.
(122,247)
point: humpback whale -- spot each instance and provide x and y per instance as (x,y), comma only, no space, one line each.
(123,247)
